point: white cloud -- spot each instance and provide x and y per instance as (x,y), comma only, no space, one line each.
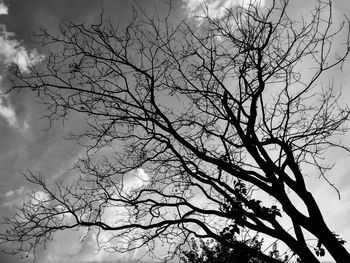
(137,180)
(11,51)
(3,8)
(216,8)
(8,113)
(14,198)
(81,246)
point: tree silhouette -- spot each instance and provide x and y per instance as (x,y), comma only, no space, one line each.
(242,251)
(217,112)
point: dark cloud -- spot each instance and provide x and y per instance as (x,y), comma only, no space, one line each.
(26,17)
(6,258)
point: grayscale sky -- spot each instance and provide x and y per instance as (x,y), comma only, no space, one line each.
(25,143)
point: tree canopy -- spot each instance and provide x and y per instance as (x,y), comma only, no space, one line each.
(213,113)
(240,251)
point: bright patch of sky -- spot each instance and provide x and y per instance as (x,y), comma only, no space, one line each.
(13,52)
(3,9)
(7,112)
(216,8)
(81,245)
(85,244)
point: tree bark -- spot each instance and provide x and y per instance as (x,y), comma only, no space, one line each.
(331,243)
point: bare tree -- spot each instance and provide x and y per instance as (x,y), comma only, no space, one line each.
(211,109)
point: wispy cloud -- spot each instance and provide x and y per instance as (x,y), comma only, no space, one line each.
(216,8)
(8,113)
(3,8)
(13,52)
(14,198)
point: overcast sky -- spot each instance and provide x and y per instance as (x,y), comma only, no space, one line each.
(24,143)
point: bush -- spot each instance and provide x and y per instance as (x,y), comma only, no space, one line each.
(248,251)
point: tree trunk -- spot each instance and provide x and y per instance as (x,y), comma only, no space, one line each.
(320,230)
(332,244)
(304,253)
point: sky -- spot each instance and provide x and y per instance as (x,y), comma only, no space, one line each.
(27,143)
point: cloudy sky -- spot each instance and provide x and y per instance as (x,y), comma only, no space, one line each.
(25,143)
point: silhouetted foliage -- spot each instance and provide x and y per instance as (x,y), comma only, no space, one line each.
(247,251)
